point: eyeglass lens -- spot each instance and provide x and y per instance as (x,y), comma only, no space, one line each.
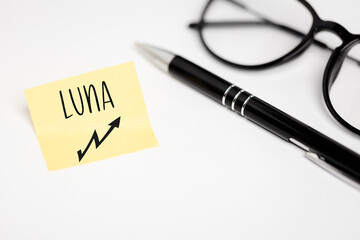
(345,92)
(237,31)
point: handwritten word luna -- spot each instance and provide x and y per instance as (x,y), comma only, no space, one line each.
(90,95)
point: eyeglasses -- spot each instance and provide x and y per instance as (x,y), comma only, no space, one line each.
(248,35)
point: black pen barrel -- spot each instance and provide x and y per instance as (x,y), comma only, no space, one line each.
(288,128)
(198,78)
(267,116)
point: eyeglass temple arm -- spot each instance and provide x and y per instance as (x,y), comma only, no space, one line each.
(196,25)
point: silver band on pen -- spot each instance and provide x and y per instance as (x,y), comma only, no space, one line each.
(226,93)
(234,100)
(244,105)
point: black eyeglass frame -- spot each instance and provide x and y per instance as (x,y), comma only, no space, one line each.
(333,66)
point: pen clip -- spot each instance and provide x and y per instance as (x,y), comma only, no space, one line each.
(334,171)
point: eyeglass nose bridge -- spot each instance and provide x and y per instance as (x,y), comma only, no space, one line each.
(332,27)
(341,51)
(320,25)
(339,54)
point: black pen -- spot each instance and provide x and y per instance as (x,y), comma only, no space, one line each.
(335,158)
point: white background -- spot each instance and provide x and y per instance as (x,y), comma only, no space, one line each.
(215,174)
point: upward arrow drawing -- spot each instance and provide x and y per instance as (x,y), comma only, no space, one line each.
(95,138)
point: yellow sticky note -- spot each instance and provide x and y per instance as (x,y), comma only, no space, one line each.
(90,117)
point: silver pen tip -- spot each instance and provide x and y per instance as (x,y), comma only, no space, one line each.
(161,58)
